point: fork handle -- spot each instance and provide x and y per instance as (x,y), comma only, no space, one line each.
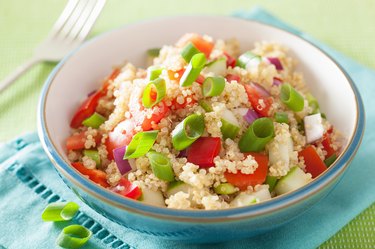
(18,72)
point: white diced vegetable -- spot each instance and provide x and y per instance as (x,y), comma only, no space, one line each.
(313,127)
(243,199)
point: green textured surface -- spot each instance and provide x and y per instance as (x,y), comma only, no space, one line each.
(348,26)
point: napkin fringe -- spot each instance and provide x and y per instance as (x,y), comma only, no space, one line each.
(99,232)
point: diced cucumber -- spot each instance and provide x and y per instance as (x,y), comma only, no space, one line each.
(248,59)
(295,179)
(230,125)
(152,197)
(217,67)
(262,194)
(94,155)
(280,151)
(177,186)
(243,199)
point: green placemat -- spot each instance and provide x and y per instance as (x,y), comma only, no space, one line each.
(344,25)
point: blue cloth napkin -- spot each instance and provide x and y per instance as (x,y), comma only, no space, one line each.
(29,182)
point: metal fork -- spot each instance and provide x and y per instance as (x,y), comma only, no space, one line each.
(69,31)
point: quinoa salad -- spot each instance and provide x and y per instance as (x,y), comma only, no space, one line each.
(204,126)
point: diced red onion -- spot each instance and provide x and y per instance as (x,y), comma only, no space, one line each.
(250,116)
(276,62)
(260,89)
(276,82)
(123,165)
(183,153)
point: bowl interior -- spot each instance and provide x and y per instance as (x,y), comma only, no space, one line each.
(83,70)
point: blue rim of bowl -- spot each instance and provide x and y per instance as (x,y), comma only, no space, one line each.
(225,215)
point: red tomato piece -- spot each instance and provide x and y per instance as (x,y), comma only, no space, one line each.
(127,189)
(77,142)
(231,61)
(200,79)
(242,181)
(314,165)
(203,151)
(233,77)
(254,98)
(120,136)
(159,111)
(326,142)
(201,44)
(176,75)
(94,175)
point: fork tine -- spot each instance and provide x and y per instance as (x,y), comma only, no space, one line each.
(89,8)
(91,20)
(73,18)
(65,14)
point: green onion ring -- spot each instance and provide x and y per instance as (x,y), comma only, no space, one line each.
(161,166)
(255,138)
(205,105)
(225,189)
(60,211)
(160,87)
(228,129)
(291,98)
(94,121)
(93,154)
(213,86)
(140,144)
(73,236)
(153,52)
(189,51)
(313,103)
(186,132)
(193,70)
(246,58)
(154,72)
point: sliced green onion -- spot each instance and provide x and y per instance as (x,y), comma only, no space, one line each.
(228,129)
(271,181)
(94,121)
(93,154)
(245,58)
(323,115)
(213,86)
(193,70)
(186,132)
(153,72)
(225,189)
(140,144)
(161,166)
(73,236)
(255,138)
(313,103)
(148,98)
(153,52)
(328,161)
(281,117)
(291,98)
(205,105)
(189,51)
(60,211)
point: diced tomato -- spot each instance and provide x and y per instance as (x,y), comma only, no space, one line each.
(231,61)
(127,189)
(203,151)
(254,98)
(326,142)
(77,142)
(200,79)
(242,181)
(94,175)
(176,75)
(202,45)
(88,107)
(233,77)
(159,111)
(120,136)
(314,165)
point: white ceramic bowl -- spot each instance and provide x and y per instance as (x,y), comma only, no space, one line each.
(81,72)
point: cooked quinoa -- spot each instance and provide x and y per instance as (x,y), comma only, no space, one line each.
(235,170)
